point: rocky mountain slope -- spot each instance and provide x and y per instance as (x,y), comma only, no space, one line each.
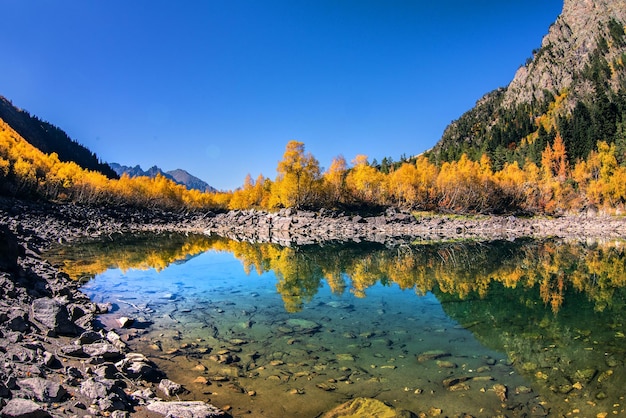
(178,176)
(49,138)
(574,84)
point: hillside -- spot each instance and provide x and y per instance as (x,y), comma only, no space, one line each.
(574,85)
(178,176)
(49,138)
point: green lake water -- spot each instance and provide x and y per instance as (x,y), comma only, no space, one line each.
(524,328)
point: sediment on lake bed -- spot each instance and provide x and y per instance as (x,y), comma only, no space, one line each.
(56,360)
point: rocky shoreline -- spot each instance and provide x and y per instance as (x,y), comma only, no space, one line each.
(56,359)
(291,227)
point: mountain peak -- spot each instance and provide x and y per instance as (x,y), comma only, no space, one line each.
(574,85)
(568,48)
(178,176)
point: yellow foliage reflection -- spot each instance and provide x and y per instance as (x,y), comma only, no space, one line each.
(460,269)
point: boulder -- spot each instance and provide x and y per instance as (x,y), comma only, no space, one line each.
(42,390)
(23,408)
(53,315)
(366,407)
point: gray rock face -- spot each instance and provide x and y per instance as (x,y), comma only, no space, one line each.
(42,390)
(566,49)
(23,408)
(185,409)
(54,315)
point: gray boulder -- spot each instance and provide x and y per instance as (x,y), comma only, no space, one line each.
(42,390)
(53,315)
(23,408)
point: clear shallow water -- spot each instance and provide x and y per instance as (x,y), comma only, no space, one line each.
(278,332)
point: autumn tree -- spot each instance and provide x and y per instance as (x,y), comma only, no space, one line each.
(365,183)
(298,181)
(335,180)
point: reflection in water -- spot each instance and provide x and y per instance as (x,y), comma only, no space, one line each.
(555,309)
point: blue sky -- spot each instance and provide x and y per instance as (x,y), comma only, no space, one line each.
(218,87)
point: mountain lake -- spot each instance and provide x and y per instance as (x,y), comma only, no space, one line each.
(506,328)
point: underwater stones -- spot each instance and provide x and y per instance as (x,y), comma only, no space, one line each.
(453,381)
(340,305)
(201,380)
(522,390)
(326,387)
(445,364)
(345,357)
(585,375)
(365,407)
(303,325)
(432,355)
(501,391)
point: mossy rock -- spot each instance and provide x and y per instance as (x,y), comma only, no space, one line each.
(366,408)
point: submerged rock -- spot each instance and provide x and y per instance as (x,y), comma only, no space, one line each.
(303,325)
(366,407)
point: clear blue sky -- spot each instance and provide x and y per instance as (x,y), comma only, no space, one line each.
(218,87)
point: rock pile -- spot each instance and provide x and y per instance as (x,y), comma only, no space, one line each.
(292,227)
(54,360)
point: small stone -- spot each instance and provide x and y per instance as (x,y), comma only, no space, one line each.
(432,355)
(434,412)
(444,364)
(201,380)
(501,391)
(170,388)
(125,322)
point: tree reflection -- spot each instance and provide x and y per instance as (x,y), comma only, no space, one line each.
(459,269)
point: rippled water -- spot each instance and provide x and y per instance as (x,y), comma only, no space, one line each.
(485,329)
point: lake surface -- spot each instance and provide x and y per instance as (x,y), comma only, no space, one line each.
(482,328)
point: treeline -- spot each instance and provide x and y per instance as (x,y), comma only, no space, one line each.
(593,107)
(25,171)
(554,186)
(49,138)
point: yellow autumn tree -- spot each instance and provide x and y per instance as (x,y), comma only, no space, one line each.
(298,181)
(364,183)
(335,180)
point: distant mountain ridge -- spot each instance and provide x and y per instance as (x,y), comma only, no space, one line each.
(49,138)
(573,85)
(178,176)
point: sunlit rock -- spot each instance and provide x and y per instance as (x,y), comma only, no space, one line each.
(365,407)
